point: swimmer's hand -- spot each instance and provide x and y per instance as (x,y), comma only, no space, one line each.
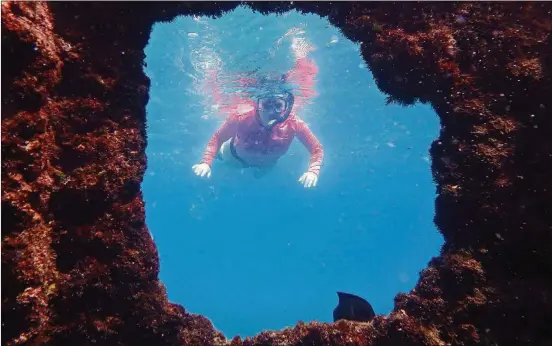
(202,169)
(309,179)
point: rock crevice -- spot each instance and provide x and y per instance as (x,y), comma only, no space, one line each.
(79,266)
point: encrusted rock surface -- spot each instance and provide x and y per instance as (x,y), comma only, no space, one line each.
(79,266)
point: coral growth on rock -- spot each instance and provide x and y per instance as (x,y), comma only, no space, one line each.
(79,266)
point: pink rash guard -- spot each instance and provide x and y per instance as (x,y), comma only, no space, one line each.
(255,144)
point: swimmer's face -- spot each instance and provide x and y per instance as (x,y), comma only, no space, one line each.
(274,106)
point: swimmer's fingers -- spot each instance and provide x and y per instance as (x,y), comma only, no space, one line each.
(314,180)
(206,172)
(202,170)
(309,180)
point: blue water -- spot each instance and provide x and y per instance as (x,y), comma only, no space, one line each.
(254,254)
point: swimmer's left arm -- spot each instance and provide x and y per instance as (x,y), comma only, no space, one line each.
(309,140)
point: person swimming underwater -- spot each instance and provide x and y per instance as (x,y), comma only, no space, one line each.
(257,135)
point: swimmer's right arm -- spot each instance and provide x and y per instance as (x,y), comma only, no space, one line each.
(228,128)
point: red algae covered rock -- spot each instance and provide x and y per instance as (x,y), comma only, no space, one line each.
(79,266)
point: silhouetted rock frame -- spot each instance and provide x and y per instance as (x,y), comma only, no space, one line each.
(79,266)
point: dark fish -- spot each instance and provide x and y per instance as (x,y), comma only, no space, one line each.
(353,308)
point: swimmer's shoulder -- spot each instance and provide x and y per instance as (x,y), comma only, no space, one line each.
(242,117)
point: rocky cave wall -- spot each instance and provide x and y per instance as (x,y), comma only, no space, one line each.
(79,266)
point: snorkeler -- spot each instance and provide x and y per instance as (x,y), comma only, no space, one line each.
(260,131)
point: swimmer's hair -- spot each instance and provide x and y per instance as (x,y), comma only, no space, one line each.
(270,83)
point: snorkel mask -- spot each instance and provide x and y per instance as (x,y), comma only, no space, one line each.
(275,108)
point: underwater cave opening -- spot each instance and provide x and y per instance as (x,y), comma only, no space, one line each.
(255,254)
